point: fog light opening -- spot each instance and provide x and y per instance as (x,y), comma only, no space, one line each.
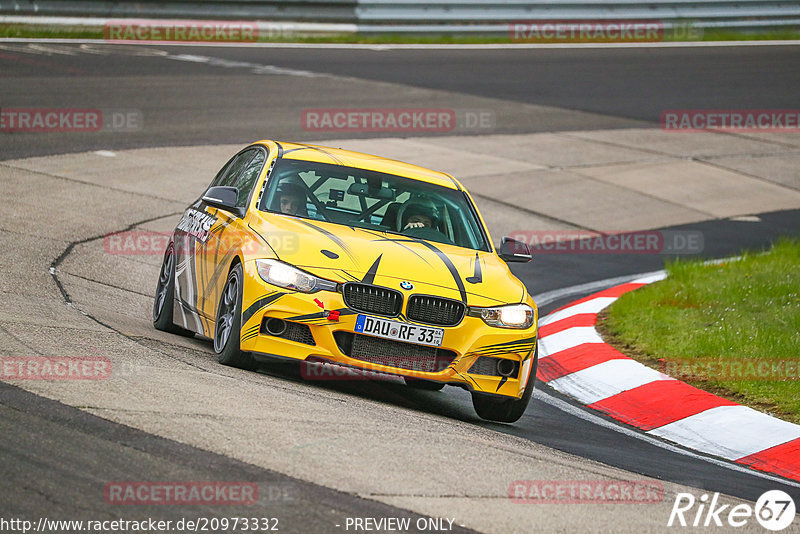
(505,367)
(275,327)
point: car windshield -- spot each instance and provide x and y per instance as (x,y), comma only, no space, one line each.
(376,201)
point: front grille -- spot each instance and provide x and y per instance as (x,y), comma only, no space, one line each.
(435,310)
(372,299)
(298,332)
(394,353)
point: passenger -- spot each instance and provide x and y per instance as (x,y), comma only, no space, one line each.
(292,198)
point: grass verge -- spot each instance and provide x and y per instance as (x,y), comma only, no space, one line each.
(732,329)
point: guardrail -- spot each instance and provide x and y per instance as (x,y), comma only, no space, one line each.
(465,11)
(439,16)
(280,10)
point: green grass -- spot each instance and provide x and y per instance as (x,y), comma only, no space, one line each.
(85,32)
(746,311)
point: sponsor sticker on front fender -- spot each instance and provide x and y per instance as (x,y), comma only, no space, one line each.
(410,333)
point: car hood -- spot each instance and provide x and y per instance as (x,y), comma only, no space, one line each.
(344,253)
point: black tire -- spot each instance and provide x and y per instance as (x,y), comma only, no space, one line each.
(164,300)
(506,410)
(427,385)
(228,323)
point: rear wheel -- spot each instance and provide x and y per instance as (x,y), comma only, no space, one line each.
(427,385)
(165,297)
(506,410)
(228,325)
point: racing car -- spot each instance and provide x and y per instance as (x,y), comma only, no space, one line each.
(329,256)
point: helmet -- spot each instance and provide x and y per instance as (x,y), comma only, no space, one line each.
(420,207)
(292,187)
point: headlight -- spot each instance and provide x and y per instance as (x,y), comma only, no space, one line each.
(284,275)
(511,316)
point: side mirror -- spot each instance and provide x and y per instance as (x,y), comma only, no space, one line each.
(223,197)
(512,250)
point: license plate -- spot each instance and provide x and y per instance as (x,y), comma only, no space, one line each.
(410,333)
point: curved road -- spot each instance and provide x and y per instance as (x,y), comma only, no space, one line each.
(211,95)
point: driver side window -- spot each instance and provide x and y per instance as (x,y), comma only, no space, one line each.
(248,177)
(231,171)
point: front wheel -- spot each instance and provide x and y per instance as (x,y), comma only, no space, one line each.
(228,326)
(507,410)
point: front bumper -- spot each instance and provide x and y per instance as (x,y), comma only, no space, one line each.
(468,354)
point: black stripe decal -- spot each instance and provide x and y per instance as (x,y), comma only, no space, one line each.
(330,236)
(320,315)
(449,264)
(476,278)
(523,350)
(509,343)
(369,278)
(345,273)
(450,267)
(307,317)
(296,149)
(530,353)
(329,154)
(250,336)
(502,381)
(473,380)
(266,241)
(490,348)
(398,242)
(260,303)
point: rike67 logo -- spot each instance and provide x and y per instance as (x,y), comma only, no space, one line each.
(774,510)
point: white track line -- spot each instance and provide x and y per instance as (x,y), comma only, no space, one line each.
(543,299)
(581,413)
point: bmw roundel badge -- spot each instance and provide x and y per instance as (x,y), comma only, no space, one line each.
(406,285)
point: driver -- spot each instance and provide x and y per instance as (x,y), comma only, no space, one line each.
(420,214)
(292,198)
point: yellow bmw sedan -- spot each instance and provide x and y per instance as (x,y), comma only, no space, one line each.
(334,257)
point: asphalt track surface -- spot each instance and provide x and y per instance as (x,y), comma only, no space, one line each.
(50,470)
(186,99)
(189,102)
